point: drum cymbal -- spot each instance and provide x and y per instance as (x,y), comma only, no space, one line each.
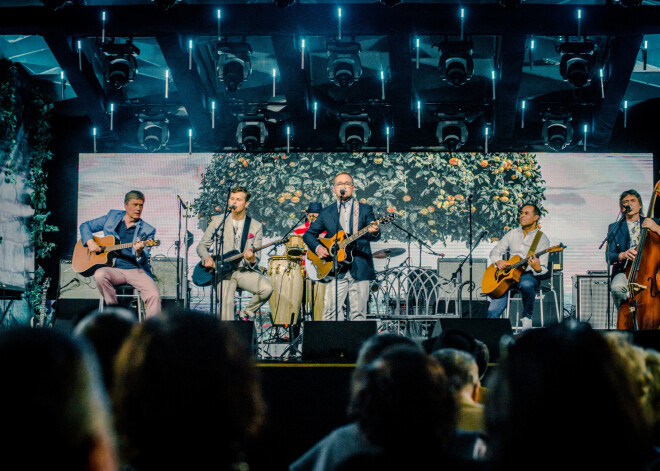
(386,253)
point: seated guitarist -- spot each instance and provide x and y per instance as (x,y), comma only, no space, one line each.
(519,241)
(241,234)
(354,279)
(130,265)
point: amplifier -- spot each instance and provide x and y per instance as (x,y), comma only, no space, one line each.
(591,295)
(75,286)
(447,267)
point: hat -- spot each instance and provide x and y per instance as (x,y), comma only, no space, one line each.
(314,208)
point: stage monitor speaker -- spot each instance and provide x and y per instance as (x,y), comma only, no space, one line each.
(336,341)
(447,267)
(164,270)
(247,334)
(590,295)
(489,331)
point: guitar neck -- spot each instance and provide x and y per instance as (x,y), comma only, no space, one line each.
(355,236)
(525,260)
(254,249)
(112,248)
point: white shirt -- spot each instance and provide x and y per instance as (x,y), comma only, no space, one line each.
(516,244)
(238,231)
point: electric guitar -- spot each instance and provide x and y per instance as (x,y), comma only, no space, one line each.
(86,262)
(203,276)
(340,242)
(497,281)
(40,320)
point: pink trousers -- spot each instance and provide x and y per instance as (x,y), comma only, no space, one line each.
(109,277)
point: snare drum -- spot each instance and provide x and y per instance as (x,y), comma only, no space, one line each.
(295,247)
(286,299)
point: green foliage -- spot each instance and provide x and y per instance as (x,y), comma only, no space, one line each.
(428,191)
(27,107)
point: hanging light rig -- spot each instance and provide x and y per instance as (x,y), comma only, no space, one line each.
(625,114)
(486,140)
(419,114)
(302,55)
(417,53)
(522,115)
(584,141)
(94,137)
(213,115)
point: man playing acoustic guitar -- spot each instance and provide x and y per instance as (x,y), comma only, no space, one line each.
(523,241)
(354,278)
(131,265)
(241,234)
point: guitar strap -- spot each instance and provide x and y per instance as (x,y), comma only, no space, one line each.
(535,243)
(246,231)
(356,212)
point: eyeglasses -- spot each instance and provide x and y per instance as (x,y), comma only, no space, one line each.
(343,184)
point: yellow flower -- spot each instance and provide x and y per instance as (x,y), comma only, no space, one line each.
(281,199)
(295,199)
(378,160)
(406,198)
(391,209)
(484,163)
(528,173)
(424,211)
(431,209)
(298,192)
(459,197)
(496,197)
(442,192)
(504,199)
(431,222)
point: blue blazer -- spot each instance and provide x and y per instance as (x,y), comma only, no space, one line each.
(362,267)
(619,241)
(108,224)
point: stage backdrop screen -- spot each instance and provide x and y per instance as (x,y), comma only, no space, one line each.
(438,198)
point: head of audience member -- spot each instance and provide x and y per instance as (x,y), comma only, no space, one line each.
(461,340)
(564,383)
(461,370)
(55,410)
(643,367)
(106,330)
(187,394)
(401,400)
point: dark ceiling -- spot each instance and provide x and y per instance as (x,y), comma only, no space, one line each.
(379,77)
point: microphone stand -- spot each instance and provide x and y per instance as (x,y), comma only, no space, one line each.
(179,295)
(219,250)
(459,273)
(471,286)
(335,249)
(420,242)
(607,240)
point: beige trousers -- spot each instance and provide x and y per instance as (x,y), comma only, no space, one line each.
(248,280)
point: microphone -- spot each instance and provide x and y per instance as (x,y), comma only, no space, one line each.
(626,208)
(342,191)
(483,234)
(183,205)
(233,206)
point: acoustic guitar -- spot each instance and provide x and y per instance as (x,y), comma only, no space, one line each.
(340,242)
(86,262)
(496,282)
(203,276)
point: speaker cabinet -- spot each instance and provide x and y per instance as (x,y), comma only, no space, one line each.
(447,267)
(591,295)
(164,270)
(247,334)
(489,331)
(336,341)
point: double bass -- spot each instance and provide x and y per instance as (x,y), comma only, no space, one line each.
(642,308)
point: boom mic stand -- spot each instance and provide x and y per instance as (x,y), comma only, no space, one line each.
(607,240)
(420,242)
(459,273)
(182,288)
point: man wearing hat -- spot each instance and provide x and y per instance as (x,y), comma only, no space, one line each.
(315,292)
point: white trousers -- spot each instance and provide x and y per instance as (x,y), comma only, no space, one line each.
(358,298)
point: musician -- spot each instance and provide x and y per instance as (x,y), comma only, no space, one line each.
(623,240)
(354,279)
(131,266)
(241,233)
(518,241)
(312,213)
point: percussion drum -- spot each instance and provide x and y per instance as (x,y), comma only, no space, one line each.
(315,297)
(287,280)
(295,247)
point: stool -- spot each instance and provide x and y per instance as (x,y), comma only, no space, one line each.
(128,291)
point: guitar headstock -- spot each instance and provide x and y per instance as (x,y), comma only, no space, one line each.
(556,248)
(151,243)
(386,219)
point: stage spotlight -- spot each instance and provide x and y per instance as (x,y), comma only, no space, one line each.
(344,67)
(153,134)
(234,66)
(251,132)
(629,3)
(390,3)
(577,62)
(55,5)
(119,62)
(557,130)
(456,64)
(451,132)
(354,131)
(165,4)
(283,3)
